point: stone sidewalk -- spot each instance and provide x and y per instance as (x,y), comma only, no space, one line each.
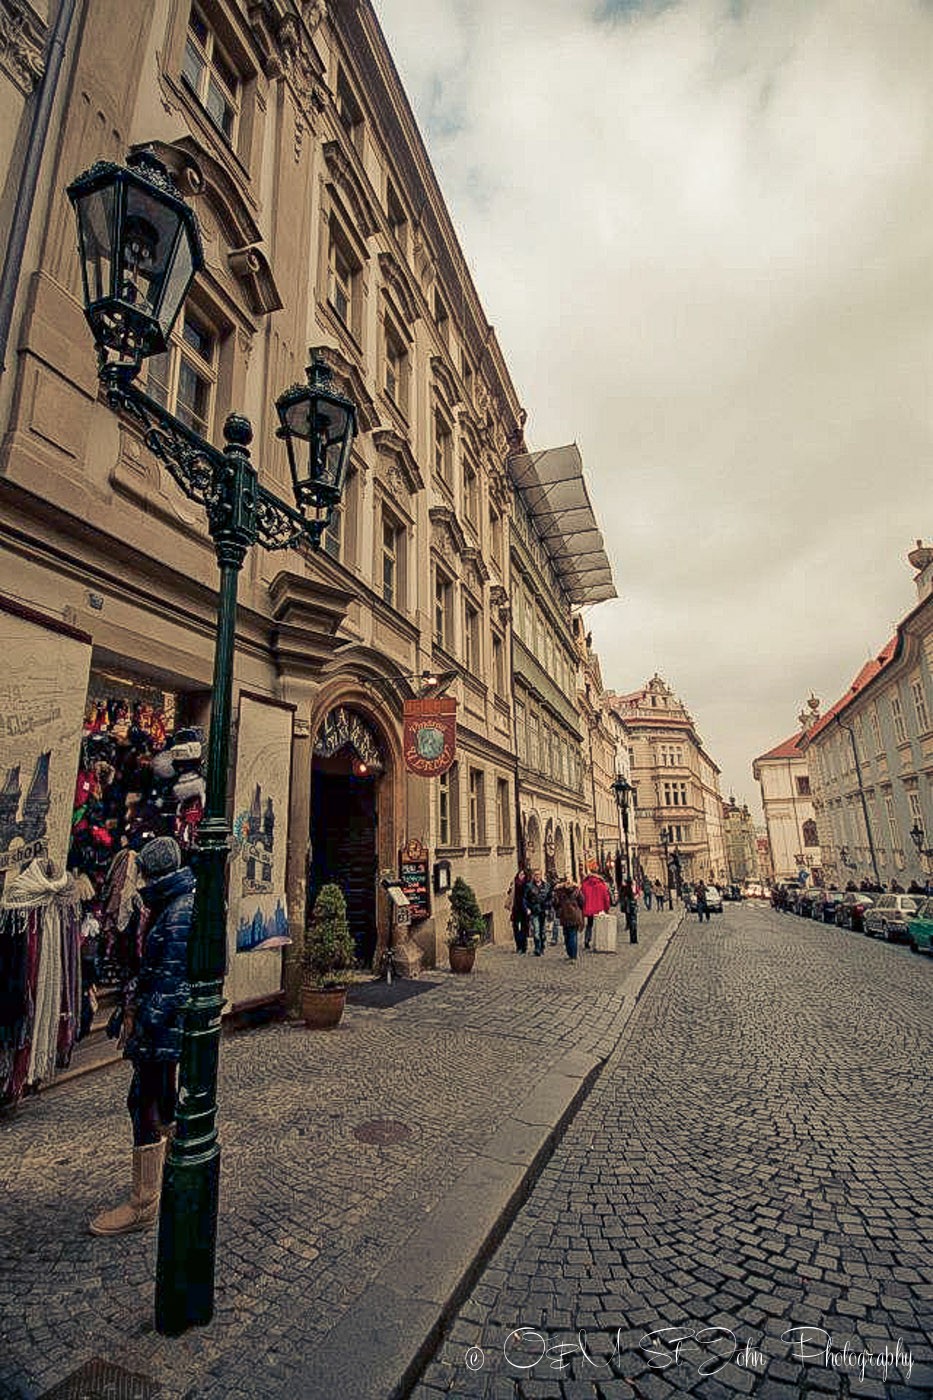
(367,1173)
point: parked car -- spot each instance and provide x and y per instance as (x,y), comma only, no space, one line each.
(888,917)
(805,902)
(732,892)
(920,927)
(825,907)
(755,890)
(851,912)
(713,899)
(794,894)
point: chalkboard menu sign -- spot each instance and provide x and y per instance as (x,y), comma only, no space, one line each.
(413,873)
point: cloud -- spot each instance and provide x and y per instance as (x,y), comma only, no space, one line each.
(702,233)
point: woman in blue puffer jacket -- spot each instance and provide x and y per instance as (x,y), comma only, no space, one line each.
(152,1029)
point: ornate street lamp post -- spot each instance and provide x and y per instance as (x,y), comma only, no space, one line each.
(140,249)
(622,792)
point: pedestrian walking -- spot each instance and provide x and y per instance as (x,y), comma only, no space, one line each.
(702,906)
(659,894)
(649,891)
(629,900)
(151,1031)
(537,904)
(595,893)
(568,905)
(518,914)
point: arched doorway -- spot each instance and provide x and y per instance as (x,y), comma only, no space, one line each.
(346,768)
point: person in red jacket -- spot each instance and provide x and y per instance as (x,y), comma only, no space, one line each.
(595,893)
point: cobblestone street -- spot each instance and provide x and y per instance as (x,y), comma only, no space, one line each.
(755,1157)
(311,1211)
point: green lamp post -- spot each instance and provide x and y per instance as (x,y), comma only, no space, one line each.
(140,250)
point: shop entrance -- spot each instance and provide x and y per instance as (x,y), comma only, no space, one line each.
(343,844)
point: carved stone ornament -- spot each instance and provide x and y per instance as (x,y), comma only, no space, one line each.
(499,600)
(251,269)
(444,381)
(447,532)
(398,460)
(477,564)
(22,44)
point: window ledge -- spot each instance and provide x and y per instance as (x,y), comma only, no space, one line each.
(449,851)
(478,851)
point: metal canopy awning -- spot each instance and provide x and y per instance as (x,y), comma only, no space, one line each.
(554,492)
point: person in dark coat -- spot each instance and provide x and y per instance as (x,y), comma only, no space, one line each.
(702,906)
(568,906)
(518,914)
(152,1029)
(537,903)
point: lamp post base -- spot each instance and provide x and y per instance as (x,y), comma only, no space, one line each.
(187,1243)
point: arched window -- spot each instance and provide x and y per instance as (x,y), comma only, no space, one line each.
(810,838)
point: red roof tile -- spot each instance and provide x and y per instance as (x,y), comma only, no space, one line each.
(789,749)
(869,671)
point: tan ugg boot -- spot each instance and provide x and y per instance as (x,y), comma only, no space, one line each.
(142,1209)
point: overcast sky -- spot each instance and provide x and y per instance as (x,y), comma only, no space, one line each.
(703,233)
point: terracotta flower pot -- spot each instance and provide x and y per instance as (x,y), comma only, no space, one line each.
(322,1007)
(462,957)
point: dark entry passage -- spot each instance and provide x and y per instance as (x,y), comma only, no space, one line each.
(343,844)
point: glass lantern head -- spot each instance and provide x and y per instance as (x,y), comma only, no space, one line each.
(318,426)
(140,249)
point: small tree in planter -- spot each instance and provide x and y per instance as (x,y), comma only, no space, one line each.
(465,926)
(327,958)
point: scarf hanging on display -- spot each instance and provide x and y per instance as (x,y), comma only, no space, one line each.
(39,947)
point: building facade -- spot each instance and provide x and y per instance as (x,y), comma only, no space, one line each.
(783,775)
(677,787)
(871,757)
(325,233)
(740,843)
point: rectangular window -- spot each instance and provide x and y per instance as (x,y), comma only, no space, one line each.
(916,813)
(472,657)
(920,706)
(332,537)
(477,809)
(348,111)
(900,729)
(393,561)
(470,494)
(441,319)
(183,379)
(534,741)
(503,812)
(443,449)
(396,368)
(893,828)
(210,76)
(498,663)
(803,786)
(398,224)
(443,610)
(343,279)
(875,726)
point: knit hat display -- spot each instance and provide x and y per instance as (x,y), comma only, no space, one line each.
(159,857)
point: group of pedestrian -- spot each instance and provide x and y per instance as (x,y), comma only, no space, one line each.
(537,904)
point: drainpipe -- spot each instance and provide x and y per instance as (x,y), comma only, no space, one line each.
(861,792)
(35,149)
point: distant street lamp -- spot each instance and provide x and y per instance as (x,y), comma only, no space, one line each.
(140,249)
(622,792)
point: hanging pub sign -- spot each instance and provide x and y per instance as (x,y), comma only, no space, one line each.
(413,873)
(430,737)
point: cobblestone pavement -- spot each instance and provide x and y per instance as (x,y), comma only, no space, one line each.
(756,1156)
(309,1212)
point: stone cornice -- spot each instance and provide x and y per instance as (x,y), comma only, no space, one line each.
(350,187)
(389,443)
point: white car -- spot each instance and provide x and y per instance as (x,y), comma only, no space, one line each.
(888,917)
(755,891)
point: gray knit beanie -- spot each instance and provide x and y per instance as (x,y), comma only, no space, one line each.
(158,857)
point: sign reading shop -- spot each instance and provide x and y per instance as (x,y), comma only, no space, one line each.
(430,735)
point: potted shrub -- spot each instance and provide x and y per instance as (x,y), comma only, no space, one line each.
(465,927)
(327,958)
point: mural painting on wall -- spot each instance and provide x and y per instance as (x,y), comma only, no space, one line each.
(258,913)
(43,688)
